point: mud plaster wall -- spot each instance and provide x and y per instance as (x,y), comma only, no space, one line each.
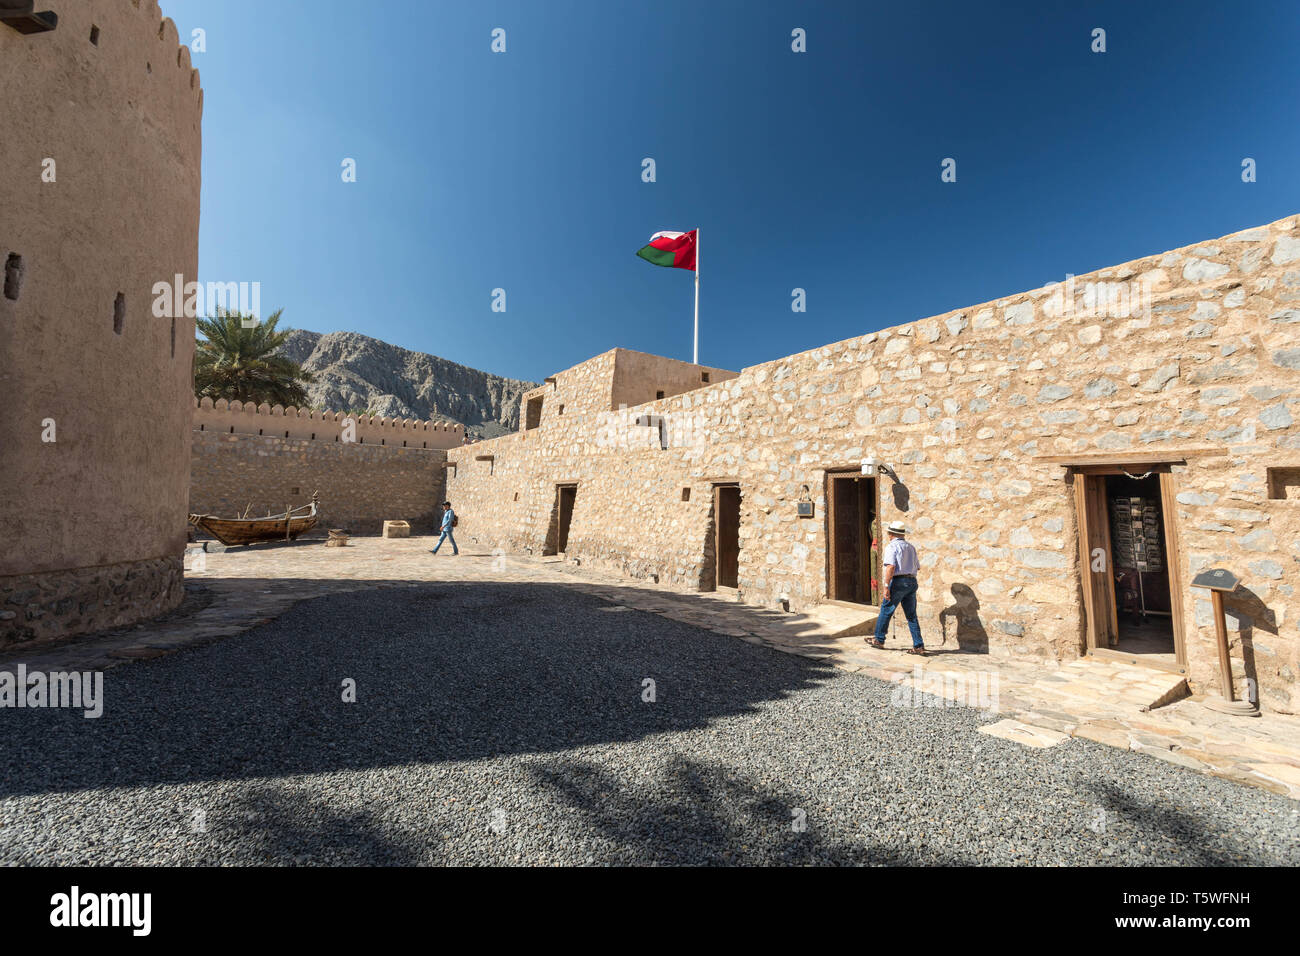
(963,407)
(121,121)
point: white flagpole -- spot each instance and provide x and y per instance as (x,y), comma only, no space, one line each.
(696,358)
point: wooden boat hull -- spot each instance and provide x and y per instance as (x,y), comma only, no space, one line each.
(281,527)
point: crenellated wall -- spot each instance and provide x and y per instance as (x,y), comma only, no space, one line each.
(245,418)
(1188,357)
(99,200)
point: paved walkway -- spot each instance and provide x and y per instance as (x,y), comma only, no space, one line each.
(1112,703)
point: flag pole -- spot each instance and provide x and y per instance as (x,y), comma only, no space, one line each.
(696,358)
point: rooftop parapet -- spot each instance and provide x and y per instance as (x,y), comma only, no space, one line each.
(247,418)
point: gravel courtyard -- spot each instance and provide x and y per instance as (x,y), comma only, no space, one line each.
(505,724)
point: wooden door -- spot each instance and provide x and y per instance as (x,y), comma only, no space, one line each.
(564,507)
(1174,564)
(1096,563)
(726,541)
(850,508)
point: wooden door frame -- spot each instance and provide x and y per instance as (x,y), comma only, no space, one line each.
(829,475)
(714,488)
(1078,475)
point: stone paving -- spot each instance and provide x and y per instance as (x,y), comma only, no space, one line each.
(1110,702)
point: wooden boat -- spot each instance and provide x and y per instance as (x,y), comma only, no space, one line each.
(245,530)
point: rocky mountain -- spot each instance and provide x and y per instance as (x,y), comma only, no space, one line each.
(357,373)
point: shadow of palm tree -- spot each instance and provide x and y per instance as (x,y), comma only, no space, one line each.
(1188,832)
(693,813)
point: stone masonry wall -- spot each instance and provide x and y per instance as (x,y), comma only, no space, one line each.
(360,485)
(1192,350)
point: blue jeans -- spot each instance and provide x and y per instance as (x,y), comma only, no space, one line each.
(446,533)
(902,590)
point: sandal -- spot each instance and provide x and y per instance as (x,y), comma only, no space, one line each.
(871,642)
(919,651)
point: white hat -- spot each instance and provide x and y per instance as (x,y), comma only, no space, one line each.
(897,527)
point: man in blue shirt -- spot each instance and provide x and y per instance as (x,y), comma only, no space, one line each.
(900,565)
(448,522)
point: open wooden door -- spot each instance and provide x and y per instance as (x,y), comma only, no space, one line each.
(850,512)
(1096,562)
(726,535)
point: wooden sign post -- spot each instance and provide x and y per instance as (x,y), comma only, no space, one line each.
(1218,582)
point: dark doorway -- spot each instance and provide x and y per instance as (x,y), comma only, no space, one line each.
(726,535)
(854,532)
(565,495)
(1131,559)
(1141,565)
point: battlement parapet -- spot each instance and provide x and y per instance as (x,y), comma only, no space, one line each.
(247,418)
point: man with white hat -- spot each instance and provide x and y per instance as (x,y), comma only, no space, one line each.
(899,587)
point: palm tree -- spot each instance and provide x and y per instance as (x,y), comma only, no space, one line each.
(235,362)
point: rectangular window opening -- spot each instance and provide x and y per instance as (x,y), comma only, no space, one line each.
(13,276)
(1284,483)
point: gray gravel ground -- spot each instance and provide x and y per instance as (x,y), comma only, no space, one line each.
(501,724)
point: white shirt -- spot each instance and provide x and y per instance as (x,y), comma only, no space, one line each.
(902,556)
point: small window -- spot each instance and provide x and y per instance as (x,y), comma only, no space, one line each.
(533,413)
(286,434)
(561,409)
(119,313)
(13,276)
(148,68)
(704,377)
(1284,483)
(94,34)
(659,394)
(686,493)
(259,431)
(293,491)
(313,436)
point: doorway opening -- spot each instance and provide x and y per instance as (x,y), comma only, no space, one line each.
(1132,580)
(726,536)
(1144,611)
(565,497)
(853,527)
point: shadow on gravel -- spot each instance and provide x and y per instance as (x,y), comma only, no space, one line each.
(694,814)
(1183,829)
(261,824)
(443,672)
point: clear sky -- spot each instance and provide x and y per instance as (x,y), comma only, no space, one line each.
(820,170)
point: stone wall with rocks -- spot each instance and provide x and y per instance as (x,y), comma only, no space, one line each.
(1189,351)
(360,485)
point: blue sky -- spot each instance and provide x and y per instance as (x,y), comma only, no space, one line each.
(819,170)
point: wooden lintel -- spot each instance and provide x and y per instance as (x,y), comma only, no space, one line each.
(1177,456)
